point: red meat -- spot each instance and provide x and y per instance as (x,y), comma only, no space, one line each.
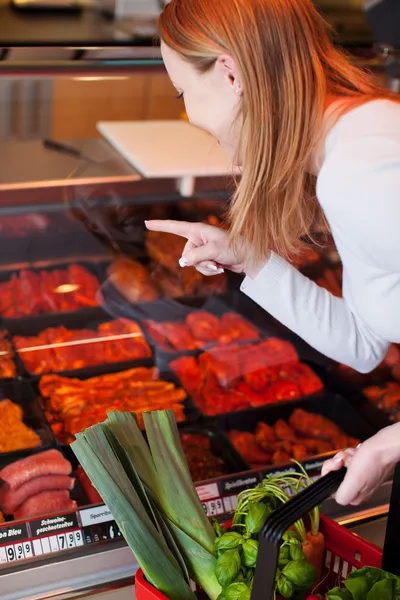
(12,499)
(50,462)
(45,503)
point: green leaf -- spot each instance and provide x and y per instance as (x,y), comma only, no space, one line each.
(301,573)
(176,492)
(372,575)
(227,567)
(250,578)
(256,516)
(339,594)
(284,556)
(219,531)
(296,551)
(250,553)
(383,590)
(290,535)
(229,541)
(285,587)
(237,590)
(358,587)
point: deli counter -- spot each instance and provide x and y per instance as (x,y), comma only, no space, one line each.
(96,315)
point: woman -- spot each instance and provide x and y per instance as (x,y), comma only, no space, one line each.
(302,123)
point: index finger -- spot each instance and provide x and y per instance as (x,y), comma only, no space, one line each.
(181,228)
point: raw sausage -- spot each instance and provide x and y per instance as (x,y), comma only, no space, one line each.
(11,499)
(51,462)
(45,503)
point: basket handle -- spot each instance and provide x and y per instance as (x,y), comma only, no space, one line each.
(279,522)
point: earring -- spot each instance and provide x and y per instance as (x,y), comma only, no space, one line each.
(238,90)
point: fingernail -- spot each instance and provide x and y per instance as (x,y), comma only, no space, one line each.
(212,267)
(183,262)
(338,459)
(359,446)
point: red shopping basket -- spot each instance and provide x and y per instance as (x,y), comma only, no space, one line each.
(344,550)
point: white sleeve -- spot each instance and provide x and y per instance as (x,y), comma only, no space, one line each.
(322,320)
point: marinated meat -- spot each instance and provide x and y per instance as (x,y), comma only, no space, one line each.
(61,349)
(7,364)
(72,405)
(14,434)
(51,462)
(133,280)
(240,376)
(36,292)
(313,425)
(45,503)
(204,326)
(203,463)
(10,500)
(280,443)
(236,329)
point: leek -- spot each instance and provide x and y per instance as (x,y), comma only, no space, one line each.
(149,491)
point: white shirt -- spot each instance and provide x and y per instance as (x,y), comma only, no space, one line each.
(358,188)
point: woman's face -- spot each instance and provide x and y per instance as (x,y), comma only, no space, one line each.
(212,99)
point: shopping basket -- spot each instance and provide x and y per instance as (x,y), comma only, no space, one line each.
(344,550)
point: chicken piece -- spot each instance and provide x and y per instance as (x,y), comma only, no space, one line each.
(322,447)
(313,425)
(8,368)
(277,352)
(284,390)
(8,306)
(133,281)
(299,452)
(189,372)
(204,326)
(35,353)
(218,284)
(283,431)
(304,377)
(223,363)
(14,434)
(245,443)
(178,334)
(236,329)
(280,456)
(251,397)
(29,284)
(157,332)
(88,286)
(265,435)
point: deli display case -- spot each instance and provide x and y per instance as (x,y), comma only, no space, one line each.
(96,315)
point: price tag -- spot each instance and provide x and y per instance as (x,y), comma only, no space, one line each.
(10,550)
(53,543)
(45,545)
(19,551)
(62,541)
(78,538)
(28,549)
(37,547)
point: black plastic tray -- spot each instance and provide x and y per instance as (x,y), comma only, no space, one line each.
(21,393)
(79,320)
(57,318)
(77,493)
(220,446)
(191,411)
(331,406)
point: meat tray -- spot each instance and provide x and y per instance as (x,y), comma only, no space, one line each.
(190,410)
(178,313)
(331,406)
(56,317)
(78,493)
(21,394)
(220,447)
(76,321)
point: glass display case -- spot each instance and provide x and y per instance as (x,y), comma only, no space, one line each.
(96,315)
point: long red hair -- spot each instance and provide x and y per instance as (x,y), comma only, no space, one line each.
(288,66)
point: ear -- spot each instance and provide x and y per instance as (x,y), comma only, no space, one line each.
(231,73)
